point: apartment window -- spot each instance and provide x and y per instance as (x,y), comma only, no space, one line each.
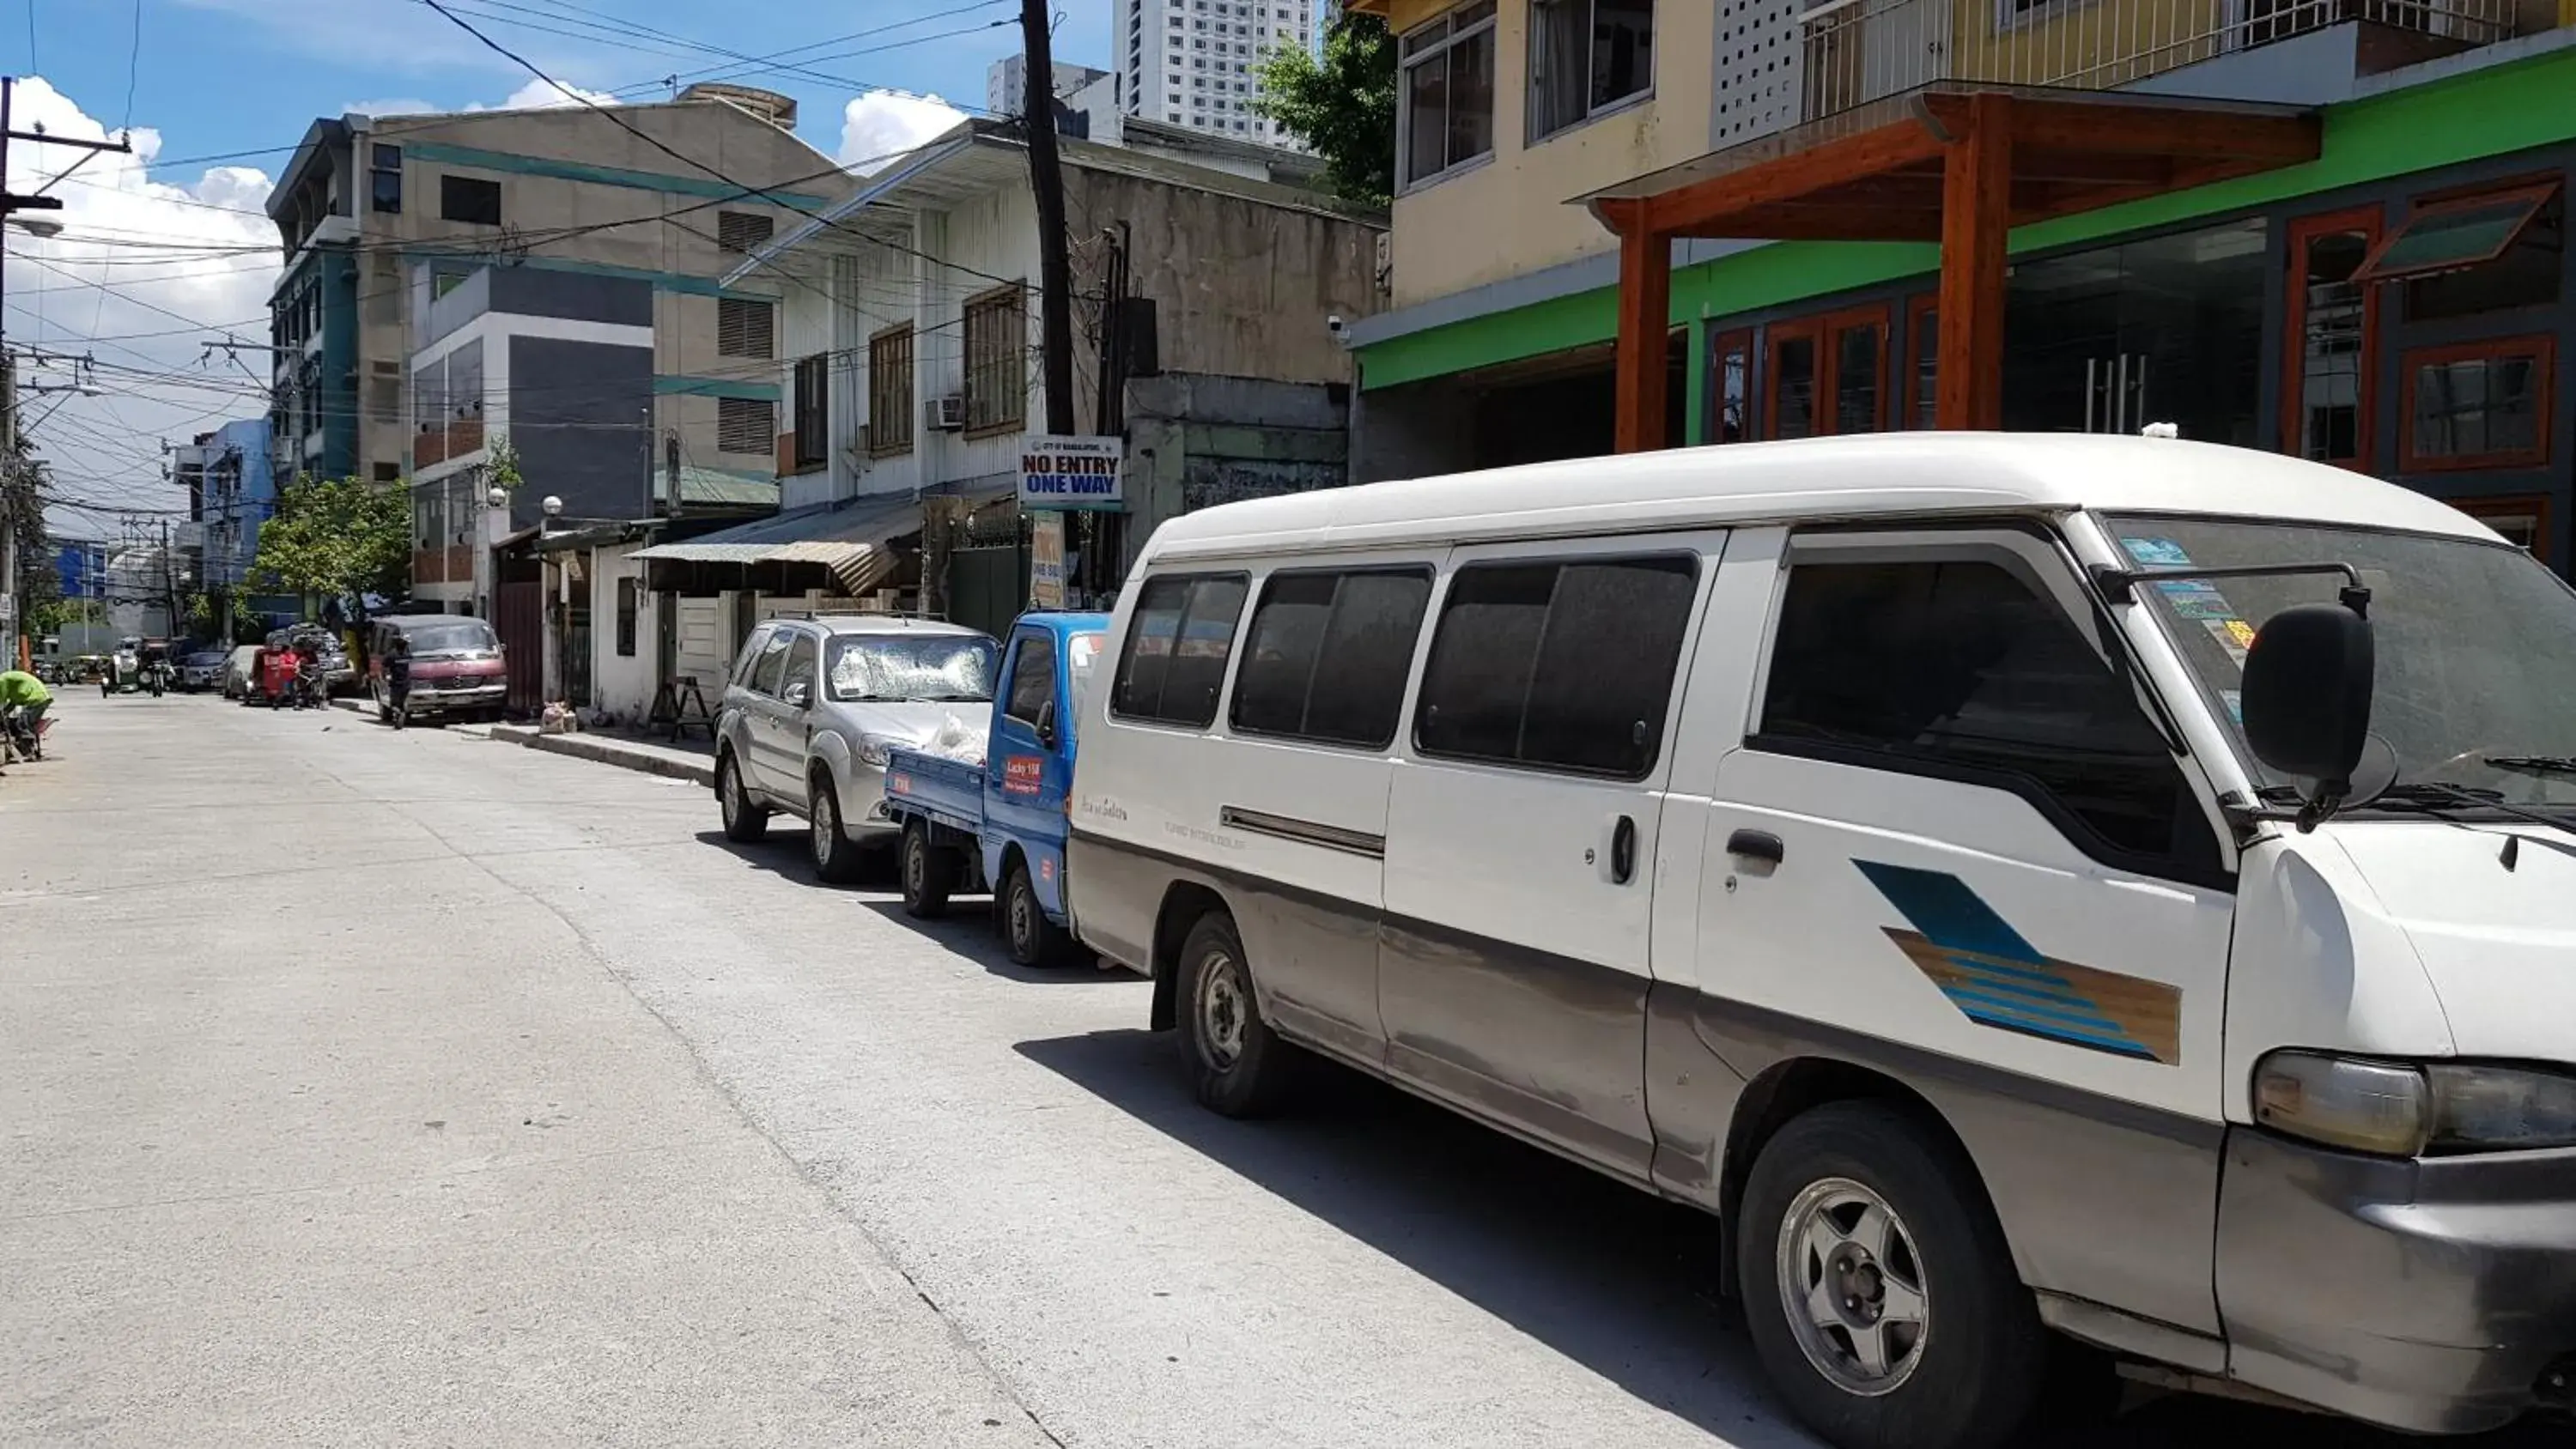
(2477,405)
(745,327)
(743,231)
(2332,324)
(813,411)
(1177,649)
(1364,622)
(1731,375)
(890,392)
(469,199)
(2457,232)
(1958,666)
(2525,274)
(384,178)
(997,360)
(1828,374)
(1518,674)
(1587,56)
(746,425)
(2522,518)
(626,610)
(1445,111)
(389,472)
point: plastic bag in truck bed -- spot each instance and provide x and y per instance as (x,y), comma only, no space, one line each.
(955,740)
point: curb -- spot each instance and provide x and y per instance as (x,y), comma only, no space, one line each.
(610,752)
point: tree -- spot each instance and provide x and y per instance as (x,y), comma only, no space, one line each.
(337,539)
(1342,106)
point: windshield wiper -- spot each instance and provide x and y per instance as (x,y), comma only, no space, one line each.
(2443,802)
(2532,764)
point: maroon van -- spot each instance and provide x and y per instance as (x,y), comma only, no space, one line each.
(456,667)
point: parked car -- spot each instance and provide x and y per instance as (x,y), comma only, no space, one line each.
(814,706)
(202,670)
(457,667)
(1961,862)
(967,824)
(241,672)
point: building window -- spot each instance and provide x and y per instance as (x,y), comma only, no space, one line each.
(2477,405)
(744,327)
(890,392)
(384,178)
(469,199)
(997,360)
(813,412)
(1731,377)
(2332,323)
(1587,56)
(746,425)
(389,472)
(2522,518)
(1923,333)
(743,231)
(2460,232)
(2525,273)
(626,602)
(1828,374)
(1445,112)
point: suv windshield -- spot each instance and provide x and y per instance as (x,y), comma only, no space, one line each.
(2475,642)
(897,667)
(463,636)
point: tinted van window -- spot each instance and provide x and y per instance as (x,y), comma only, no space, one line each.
(1560,665)
(1961,665)
(1177,648)
(1327,655)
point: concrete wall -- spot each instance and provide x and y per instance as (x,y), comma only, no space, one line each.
(577,419)
(621,685)
(1509,215)
(1197,441)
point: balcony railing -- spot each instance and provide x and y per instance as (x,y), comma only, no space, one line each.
(1860,51)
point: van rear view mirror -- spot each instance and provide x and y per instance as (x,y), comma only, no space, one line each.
(2308,678)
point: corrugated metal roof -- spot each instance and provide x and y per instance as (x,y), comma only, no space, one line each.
(706,487)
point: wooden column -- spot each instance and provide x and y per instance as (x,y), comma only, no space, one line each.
(1645,309)
(1976,218)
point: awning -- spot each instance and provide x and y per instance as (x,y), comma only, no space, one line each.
(850,538)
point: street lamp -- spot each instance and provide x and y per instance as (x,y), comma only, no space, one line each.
(42,226)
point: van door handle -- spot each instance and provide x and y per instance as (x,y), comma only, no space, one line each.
(1623,851)
(1754,845)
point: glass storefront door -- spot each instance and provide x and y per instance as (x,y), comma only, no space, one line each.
(2164,330)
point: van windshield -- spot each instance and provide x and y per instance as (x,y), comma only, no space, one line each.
(465,636)
(2475,642)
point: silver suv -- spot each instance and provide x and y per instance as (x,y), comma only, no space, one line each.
(814,704)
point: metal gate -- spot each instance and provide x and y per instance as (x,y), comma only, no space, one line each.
(987,588)
(519,620)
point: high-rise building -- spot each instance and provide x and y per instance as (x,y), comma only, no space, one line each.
(1006,81)
(1193,62)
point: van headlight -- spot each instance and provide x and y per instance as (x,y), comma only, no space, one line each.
(2397,1109)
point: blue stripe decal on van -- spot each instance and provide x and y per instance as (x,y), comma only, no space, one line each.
(1998,979)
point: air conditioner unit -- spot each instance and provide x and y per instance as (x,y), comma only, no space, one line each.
(946,414)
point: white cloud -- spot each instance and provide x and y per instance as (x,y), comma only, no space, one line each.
(186,262)
(399,106)
(536,95)
(881,125)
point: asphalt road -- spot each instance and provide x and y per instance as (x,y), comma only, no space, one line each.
(364,1088)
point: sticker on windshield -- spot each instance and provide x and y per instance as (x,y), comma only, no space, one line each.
(2235,702)
(2157,553)
(2233,635)
(2203,606)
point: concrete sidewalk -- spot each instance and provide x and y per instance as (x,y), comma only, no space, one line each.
(691,761)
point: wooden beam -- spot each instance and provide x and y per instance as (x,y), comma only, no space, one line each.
(2118,128)
(1976,207)
(1830,221)
(1706,208)
(1645,308)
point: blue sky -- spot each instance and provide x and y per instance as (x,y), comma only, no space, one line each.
(167,250)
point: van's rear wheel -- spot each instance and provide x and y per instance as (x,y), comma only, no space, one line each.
(1878,1287)
(929,873)
(1239,1066)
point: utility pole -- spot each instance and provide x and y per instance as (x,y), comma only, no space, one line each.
(1046,179)
(11,203)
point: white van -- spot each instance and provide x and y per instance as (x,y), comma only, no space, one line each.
(1955,861)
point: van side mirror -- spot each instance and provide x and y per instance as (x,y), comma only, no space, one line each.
(1046,724)
(2308,679)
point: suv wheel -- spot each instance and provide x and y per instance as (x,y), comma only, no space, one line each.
(836,859)
(744,821)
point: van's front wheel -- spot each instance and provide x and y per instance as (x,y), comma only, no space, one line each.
(1878,1287)
(1239,1066)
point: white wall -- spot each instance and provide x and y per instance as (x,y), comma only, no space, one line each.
(622,685)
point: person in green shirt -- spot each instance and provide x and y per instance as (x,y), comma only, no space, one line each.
(25,695)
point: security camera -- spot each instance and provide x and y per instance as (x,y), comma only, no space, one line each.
(1334,324)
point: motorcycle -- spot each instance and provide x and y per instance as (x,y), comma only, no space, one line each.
(308,683)
(27,739)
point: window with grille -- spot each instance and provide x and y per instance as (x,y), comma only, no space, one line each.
(744,327)
(890,391)
(746,425)
(997,360)
(813,410)
(742,231)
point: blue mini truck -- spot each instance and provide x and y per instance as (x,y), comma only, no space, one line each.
(968,826)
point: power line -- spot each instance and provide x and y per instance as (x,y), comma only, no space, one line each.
(133,66)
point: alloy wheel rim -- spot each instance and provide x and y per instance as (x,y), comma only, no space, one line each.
(825,827)
(732,793)
(1853,1288)
(1222,1011)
